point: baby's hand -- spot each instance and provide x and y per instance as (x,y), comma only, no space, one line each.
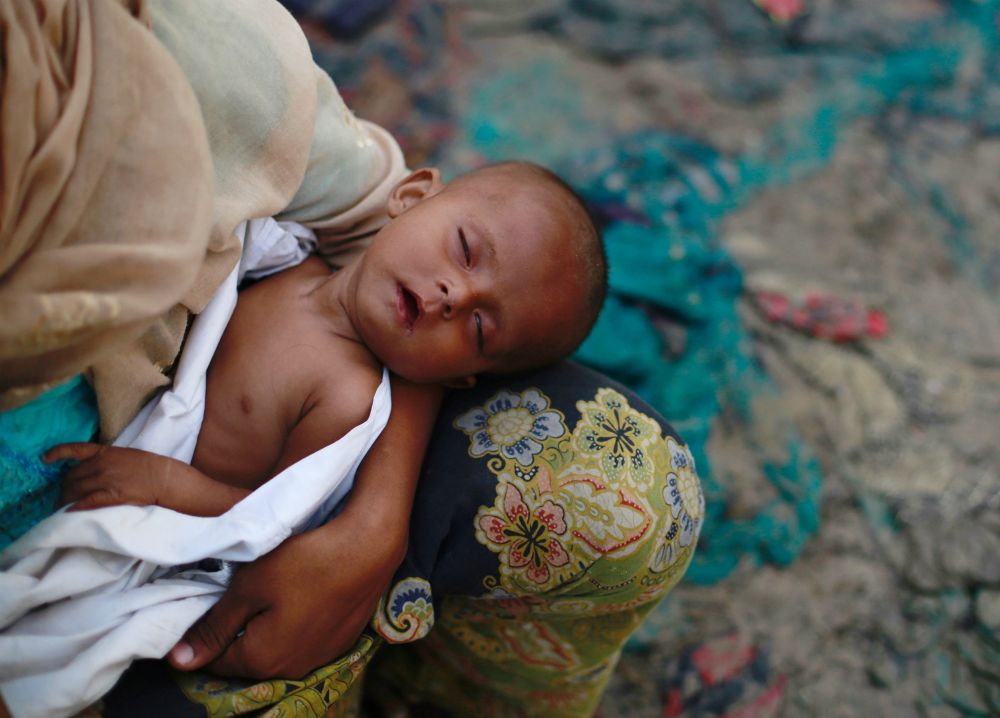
(110,475)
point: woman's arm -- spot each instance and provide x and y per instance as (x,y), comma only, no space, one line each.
(307,601)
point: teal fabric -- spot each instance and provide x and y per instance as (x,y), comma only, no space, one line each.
(29,489)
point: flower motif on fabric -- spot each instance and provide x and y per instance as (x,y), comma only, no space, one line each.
(682,492)
(680,456)
(528,533)
(513,426)
(407,613)
(608,521)
(619,435)
(683,496)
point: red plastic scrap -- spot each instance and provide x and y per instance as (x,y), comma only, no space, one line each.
(824,316)
(674,705)
(782,11)
(723,658)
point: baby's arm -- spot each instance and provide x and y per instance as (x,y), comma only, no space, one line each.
(112,475)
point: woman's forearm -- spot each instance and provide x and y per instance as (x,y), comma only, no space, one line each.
(384,486)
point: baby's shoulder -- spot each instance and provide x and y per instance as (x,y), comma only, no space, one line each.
(339,400)
(347,387)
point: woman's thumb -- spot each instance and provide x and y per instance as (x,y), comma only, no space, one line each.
(210,636)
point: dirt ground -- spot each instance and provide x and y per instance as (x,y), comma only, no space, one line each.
(879,611)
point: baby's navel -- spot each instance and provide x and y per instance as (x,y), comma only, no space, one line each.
(246,404)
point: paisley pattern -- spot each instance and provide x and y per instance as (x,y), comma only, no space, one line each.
(309,696)
(407,612)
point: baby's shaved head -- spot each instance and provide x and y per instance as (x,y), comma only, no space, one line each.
(588,260)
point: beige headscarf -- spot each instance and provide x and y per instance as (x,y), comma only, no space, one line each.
(129,156)
(105,204)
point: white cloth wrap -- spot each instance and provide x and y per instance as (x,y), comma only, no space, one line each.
(83,594)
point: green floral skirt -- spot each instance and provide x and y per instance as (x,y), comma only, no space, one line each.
(555,510)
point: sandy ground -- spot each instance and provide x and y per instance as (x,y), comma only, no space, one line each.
(871,616)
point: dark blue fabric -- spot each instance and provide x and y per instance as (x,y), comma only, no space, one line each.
(341,18)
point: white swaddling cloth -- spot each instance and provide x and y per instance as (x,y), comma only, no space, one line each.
(84,594)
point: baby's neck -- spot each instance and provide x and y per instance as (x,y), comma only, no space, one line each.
(329,299)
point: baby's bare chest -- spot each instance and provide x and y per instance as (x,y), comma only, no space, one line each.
(258,386)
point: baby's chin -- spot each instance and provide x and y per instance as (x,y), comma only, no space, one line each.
(416,376)
(412,374)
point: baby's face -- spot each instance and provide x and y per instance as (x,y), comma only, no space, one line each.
(476,278)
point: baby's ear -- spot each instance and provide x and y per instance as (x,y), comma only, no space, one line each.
(418,186)
(465,382)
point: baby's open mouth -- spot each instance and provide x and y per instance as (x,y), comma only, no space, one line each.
(408,305)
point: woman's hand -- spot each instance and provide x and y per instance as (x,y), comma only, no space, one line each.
(296,608)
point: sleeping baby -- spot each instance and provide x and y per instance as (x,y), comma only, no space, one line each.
(499,270)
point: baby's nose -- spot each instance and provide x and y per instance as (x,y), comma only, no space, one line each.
(454,295)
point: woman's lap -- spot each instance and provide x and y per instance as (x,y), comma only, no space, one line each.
(554,511)
(582,512)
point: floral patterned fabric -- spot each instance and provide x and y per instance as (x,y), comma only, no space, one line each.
(555,510)
(592,515)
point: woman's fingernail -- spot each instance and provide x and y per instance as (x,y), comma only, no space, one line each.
(183,653)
